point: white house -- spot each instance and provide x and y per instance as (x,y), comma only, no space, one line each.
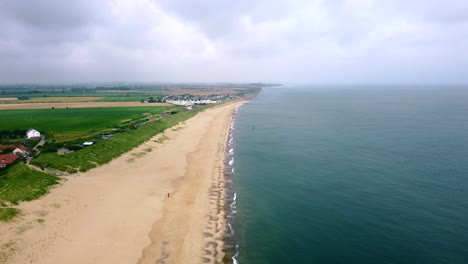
(33,133)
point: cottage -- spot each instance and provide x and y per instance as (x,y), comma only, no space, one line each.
(21,151)
(7,159)
(33,133)
(106,136)
(63,151)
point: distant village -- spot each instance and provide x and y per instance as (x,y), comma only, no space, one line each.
(189,100)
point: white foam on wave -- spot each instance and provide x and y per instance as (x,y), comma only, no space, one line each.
(234,201)
(231,231)
(234,258)
(233,206)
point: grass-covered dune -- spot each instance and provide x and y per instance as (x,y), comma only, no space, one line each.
(19,183)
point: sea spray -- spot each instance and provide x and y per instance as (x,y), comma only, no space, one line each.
(231,246)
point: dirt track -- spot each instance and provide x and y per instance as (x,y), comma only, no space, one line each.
(77,105)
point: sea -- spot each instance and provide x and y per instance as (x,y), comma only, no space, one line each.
(350,174)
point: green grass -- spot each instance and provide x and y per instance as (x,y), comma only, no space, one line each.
(19,183)
(105,151)
(8,213)
(74,123)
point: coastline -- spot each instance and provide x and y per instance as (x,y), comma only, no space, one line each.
(111,213)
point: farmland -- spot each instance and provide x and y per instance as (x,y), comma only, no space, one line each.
(57,99)
(70,124)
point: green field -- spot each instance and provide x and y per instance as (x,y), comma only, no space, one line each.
(129,98)
(106,97)
(74,123)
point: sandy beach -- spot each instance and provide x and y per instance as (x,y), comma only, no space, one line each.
(160,203)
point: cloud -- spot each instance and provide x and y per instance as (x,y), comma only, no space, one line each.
(208,40)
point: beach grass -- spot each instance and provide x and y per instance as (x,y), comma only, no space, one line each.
(8,213)
(6,250)
(20,183)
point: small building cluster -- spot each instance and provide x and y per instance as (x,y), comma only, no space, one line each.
(193,100)
(190,102)
(11,154)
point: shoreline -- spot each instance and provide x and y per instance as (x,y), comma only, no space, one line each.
(206,224)
(231,245)
(109,214)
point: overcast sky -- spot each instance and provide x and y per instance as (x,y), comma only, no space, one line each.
(327,41)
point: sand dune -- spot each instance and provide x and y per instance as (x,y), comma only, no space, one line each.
(121,212)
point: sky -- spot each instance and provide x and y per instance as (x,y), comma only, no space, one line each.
(291,41)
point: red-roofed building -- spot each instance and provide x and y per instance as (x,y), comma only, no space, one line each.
(3,148)
(21,151)
(7,159)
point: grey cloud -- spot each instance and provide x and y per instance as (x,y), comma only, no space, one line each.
(210,40)
(53,14)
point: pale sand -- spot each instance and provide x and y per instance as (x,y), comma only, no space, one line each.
(111,213)
(76,105)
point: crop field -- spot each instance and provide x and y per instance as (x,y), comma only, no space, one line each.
(74,123)
(128,98)
(61,99)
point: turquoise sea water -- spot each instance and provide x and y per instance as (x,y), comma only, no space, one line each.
(352,175)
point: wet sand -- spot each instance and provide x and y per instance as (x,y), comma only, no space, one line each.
(159,203)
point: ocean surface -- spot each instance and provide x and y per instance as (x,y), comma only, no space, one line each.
(351,175)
